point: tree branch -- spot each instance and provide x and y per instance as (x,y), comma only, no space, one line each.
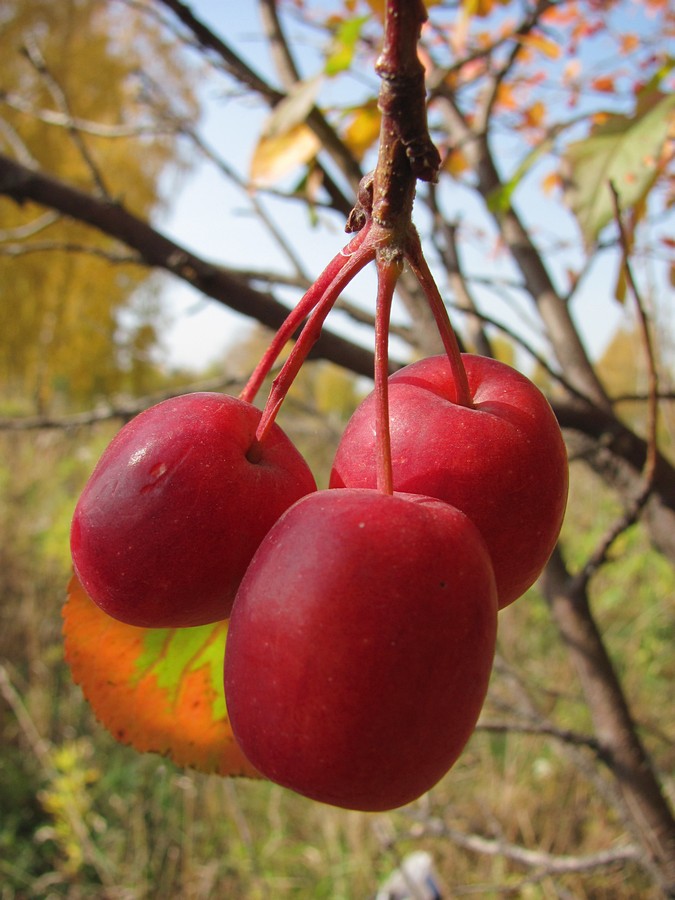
(22,184)
(281,53)
(651,819)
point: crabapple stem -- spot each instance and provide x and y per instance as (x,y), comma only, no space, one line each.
(415,257)
(385,232)
(388,271)
(310,333)
(307,303)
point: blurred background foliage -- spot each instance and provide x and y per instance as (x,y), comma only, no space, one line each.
(81,816)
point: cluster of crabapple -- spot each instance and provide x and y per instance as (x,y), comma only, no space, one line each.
(362,621)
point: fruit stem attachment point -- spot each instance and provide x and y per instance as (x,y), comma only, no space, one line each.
(254,453)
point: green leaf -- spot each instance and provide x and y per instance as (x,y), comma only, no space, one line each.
(623,150)
(499,200)
(346,39)
(171,655)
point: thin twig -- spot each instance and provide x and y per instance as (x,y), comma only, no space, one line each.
(62,119)
(25,248)
(236,66)
(22,183)
(281,52)
(528,25)
(552,864)
(37,60)
(449,253)
(635,506)
(120,409)
(565,735)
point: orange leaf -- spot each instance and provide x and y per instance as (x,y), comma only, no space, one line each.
(534,115)
(550,182)
(455,162)
(629,42)
(159,690)
(603,83)
(506,96)
(572,70)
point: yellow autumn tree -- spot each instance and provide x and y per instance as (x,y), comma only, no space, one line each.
(82,97)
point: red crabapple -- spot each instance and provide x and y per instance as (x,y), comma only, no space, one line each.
(360,647)
(176,507)
(502,461)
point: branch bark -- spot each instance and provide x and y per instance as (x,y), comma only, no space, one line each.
(618,455)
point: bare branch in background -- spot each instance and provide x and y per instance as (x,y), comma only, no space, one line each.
(157,250)
(34,55)
(547,863)
(637,503)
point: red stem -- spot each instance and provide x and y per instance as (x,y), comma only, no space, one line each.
(310,334)
(307,303)
(388,271)
(418,264)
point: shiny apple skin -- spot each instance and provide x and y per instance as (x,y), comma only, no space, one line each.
(360,647)
(502,461)
(174,510)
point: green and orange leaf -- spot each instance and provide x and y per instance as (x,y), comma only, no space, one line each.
(623,150)
(159,690)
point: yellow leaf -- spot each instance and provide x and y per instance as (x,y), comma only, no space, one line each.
(277,155)
(363,130)
(481,8)
(286,141)
(550,182)
(541,44)
(377,6)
